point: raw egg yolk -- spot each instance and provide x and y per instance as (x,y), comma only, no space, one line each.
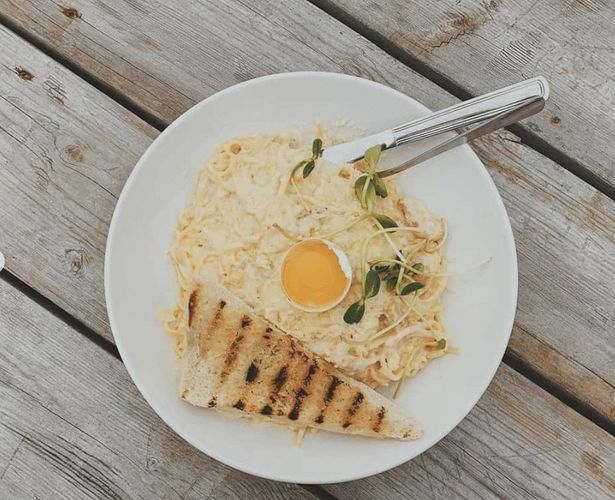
(312,275)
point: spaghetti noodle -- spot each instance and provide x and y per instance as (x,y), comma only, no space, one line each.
(230,232)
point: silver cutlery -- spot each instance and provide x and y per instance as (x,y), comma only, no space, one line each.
(482,114)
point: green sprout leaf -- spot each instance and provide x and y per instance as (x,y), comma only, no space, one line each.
(411,287)
(441,344)
(379,268)
(391,282)
(417,268)
(385,221)
(359,185)
(316,148)
(366,196)
(392,273)
(309,166)
(372,156)
(381,189)
(371,287)
(355,312)
(370,196)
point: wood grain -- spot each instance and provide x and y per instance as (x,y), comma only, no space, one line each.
(97,437)
(518,442)
(562,225)
(65,152)
(565,323)
(73,425)
(480,45)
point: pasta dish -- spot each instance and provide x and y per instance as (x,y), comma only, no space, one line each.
(247,210)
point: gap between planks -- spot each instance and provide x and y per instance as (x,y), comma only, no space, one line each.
(527,137)
(566,397)
(122,99)
(59,313)
(509,359)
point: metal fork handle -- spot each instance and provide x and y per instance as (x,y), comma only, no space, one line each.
(525,109)
(472,111)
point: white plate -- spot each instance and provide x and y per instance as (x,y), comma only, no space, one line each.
(479,306)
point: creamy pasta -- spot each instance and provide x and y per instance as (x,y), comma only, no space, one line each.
(236,230)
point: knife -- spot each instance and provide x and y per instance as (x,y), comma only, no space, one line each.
(492,106)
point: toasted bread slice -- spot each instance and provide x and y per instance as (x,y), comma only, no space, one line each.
(235,360)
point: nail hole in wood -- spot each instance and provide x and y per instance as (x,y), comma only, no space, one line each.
(24,74)
(71,12)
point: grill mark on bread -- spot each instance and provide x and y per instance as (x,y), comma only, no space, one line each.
(243,378)
(288,381)
(193,303)
(252,373)
(330,394)
(331,389)
(302,393)
(379,418)
(280,378)
(231,356)
(352,409)
(294,413)
(311,371)
(278,382)
(206,337)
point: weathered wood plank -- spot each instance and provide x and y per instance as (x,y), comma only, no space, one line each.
(72,424)
(525,441)
(97,436)
(561,224)
(482,45)
(66,151)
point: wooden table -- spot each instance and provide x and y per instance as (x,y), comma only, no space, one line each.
(86,85)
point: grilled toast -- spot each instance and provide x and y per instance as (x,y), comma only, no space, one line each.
(235,360)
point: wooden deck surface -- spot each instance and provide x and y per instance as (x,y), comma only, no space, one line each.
(84,89)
